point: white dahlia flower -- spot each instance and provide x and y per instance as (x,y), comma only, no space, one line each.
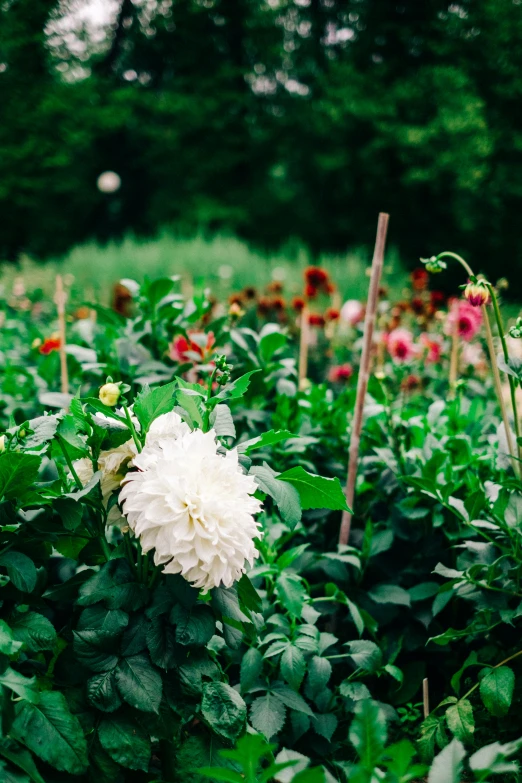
(114,463)
(194,507)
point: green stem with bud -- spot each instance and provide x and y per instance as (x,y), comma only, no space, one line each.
(493,359)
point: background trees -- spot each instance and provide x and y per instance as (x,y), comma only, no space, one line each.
(274,119)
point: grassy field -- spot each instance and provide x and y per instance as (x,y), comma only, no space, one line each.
(221,262)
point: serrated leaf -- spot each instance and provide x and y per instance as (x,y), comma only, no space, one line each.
(325,725)
(496,690)
(293,666)
(223,709)
(390,594)
(459,718)
(290,698)
(102,692)
(315,491)
(319,673)
(52,733)
(368,733)
(365,655)
(291,592)
(251,668)
(269,438)
(34,630)
(447,766)
(116,585)
(151,404)
(285,496)
(222,422)
(18,472)
(126,742)
(194,626)
(267,715)
(139,683)
(20,569)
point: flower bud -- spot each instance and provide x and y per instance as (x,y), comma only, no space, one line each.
(110,394)
(2,443)
(477,293)
(516,330)
(434,264)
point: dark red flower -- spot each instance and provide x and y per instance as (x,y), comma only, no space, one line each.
(298,303)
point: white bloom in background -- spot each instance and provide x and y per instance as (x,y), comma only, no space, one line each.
(114,463)
(194,507)
(352,312)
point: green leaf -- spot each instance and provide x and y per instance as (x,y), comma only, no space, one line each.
(290,698)
(368,733)
(291,592)
(390,594)
(271,340)
(126,742)
(236,388)
(293,666)
(496,690)
(222,774)
(194,627)
(447,766)
(116,585)
(319,673)
(223,709)
(34,630)
(267,715)
(325,724)
(70,512)
(139,683)
(285,496)
(222,422)
(25,687)
(52,733)
(225,600)
(365,655)
(8,644)
(102,692)
(11,775)
(18,472)
(20,569)
(459,718)
(269,438)
(251,668)
(151,404)
(96,649)
(21,758)
(161,643)
(354,692)
(315,491)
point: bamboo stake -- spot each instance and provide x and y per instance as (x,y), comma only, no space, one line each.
(364,373)
(425,697)
(303,346)
(59,299)
(454,355)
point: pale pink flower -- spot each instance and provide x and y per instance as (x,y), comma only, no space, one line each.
(466,318)
(400,345)
(352,312)
(431,346)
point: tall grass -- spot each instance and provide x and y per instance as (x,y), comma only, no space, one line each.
(223,263)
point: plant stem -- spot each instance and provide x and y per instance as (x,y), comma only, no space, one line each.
(132,428)
(206,418)
(512,383)
(69,462)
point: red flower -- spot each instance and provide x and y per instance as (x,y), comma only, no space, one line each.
(311,291)
(197,349)
(419,279)
(332,314)
(298,303)
(263,305)
(277,303)
(275,287)
(437,298)
(49,345)
(315,319)
(417,305)
(316,276)
(340,372)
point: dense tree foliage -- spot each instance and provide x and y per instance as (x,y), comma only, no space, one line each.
(273,118)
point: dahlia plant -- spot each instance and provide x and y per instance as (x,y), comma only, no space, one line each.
(126,539)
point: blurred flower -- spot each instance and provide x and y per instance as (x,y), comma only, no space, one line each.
(473,356)
(400,345)
(277,303)
(411,383)
(82,313)
(432,347)
(249,292)
(311,291)
(18,286)
(298,303)
(352,312)
(110,394)
(121,299)
(437,298)
(417,305)
(195,508)
(419,279)
(316,276)
(332,314)
(50,344)
(36,343)
(477,293)
(198,348)
(263,305)
(465,317)
(275,287)
(236,298)
(340,372)
(316,319)
(235,311)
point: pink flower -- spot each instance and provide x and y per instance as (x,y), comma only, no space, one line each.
(400,345)
(340,372)
(431,346)
(467,319)
(352,312)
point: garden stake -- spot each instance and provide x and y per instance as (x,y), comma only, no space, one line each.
(60,306)
(426,697)
(454,356)
(364,373)
(303,347)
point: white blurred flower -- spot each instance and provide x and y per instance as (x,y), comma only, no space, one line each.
(352,312)
(194,507)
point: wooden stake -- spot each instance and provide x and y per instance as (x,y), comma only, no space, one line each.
(59,299)
(364,373)
(425,697)
(303,346)
(454,355)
